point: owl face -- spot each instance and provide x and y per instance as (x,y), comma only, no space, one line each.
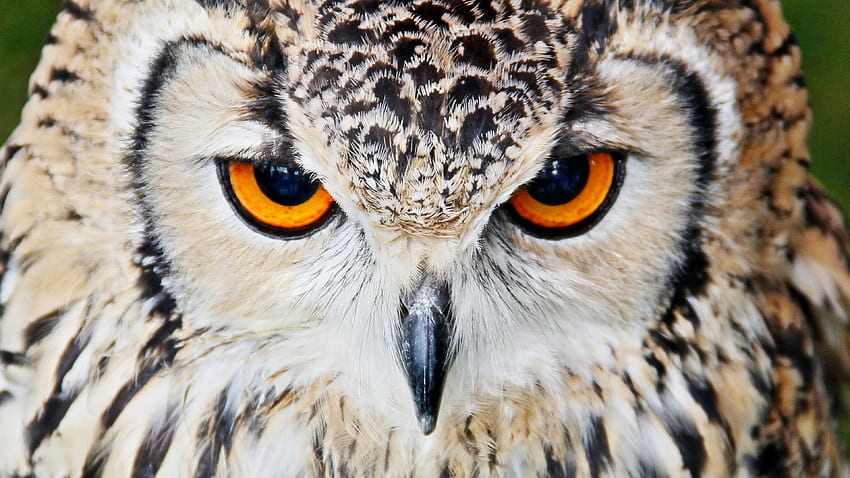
(425,238)
(423,128)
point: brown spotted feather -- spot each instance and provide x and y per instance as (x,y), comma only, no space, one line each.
(699,330)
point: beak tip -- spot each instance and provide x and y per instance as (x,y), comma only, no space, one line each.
(426,402)
(427,423)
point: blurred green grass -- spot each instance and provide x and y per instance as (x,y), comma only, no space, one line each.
(23,28)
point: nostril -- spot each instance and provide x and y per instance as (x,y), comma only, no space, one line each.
(429,292)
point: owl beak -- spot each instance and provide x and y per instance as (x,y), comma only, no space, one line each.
(425,337)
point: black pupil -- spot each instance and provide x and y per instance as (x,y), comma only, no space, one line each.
(286,185)
(560,181)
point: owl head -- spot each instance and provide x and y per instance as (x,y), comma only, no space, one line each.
(447,199)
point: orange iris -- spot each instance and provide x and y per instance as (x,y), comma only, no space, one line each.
(576,207)
(252,198)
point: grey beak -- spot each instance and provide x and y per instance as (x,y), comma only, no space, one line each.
(425,337)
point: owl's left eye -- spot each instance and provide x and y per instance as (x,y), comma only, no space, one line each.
(569,195)
(277,199)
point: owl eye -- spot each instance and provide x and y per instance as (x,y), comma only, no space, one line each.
(277,199)
(569,195)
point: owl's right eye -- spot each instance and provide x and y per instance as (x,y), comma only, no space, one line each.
(277,199)
(569,195)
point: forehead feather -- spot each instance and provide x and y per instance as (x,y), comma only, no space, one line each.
(429,108)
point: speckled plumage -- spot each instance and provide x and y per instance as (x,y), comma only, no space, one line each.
(698,330)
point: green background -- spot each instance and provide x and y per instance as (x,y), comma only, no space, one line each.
(822,26)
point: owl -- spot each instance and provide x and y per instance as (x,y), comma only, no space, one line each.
(419,238)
